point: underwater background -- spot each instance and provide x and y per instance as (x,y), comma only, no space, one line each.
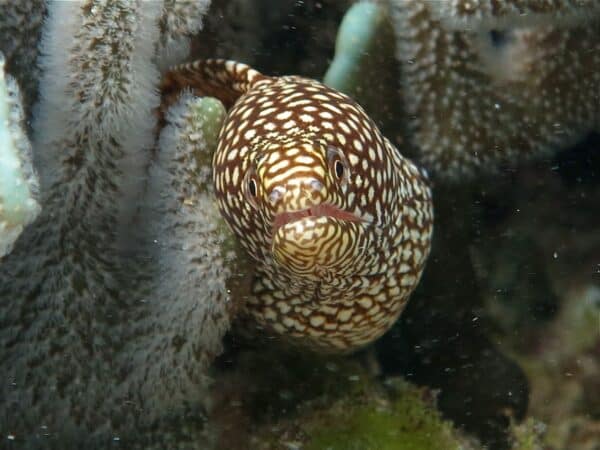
(119,284)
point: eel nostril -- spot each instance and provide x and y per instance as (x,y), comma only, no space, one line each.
(305,188)
(315,185)
(276,194)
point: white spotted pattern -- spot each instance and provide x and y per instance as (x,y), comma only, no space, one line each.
(328,245)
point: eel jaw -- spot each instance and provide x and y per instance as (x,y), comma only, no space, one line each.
(317,244)
(321,210)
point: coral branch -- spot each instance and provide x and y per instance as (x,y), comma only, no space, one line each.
(364,52)
(20,30)
(357,39)
(98,85)
(179,21)
(169,356)
(18,182)
(74,306)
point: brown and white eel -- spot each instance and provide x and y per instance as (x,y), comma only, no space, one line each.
(337,221)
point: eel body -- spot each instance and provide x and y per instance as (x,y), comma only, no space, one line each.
(336,220)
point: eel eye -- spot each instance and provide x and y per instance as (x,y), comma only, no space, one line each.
(338,164)
(250,187)
(339,168)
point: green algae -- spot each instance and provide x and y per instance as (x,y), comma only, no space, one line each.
(211,112)
(528,435)
(408,421)
(349,410)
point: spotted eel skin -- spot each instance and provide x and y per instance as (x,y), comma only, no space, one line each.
(337,221)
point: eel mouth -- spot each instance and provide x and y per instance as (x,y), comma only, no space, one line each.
(323,210)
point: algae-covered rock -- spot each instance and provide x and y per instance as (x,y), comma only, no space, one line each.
(405,419)
(314,403)
(528,435)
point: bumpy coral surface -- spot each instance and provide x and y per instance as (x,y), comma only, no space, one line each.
(483,98)
(20,31)
(281,400)
(461,13)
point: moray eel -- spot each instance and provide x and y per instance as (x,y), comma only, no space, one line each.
(337,221)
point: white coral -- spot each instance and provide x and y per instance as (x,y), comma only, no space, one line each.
(188,291)
(98,92)
(89,330)
(18,182)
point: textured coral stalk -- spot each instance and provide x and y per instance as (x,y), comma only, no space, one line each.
(63,304)
(97,336)
(20,30)
(188,293)
(98,93)
(179,21)
(18,182)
